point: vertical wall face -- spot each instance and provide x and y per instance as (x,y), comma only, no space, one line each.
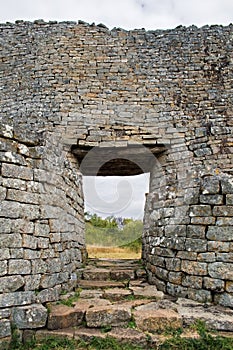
(42,229)
(188,233)
(65,85)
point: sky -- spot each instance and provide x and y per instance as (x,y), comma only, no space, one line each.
(111,195)
(128,14)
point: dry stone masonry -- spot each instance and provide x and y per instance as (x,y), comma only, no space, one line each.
(157,101)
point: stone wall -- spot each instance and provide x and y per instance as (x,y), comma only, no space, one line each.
(66,88)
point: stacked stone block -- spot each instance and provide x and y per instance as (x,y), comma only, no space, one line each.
(41,220)
(66,86)
(189,253)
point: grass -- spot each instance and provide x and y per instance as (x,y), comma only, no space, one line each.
(112,252)
(205,341)
(71,300)
(176,341)
(57,343)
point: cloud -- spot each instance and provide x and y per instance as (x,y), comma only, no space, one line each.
(114,195)
(128,14)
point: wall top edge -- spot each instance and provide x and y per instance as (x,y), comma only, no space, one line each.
(103,27)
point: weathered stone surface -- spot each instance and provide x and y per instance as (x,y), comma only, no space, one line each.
(96,274)
(13,240)
(108,316)
(155,321)
(216,285)
(227,185)
(19,267)
(224,299)
(214,317)
(5,343)
(5,328)
(3,267)
(210,185)
(121,275)
(200,210)
(116,293)
(89,293)
(84,304)
(31,316)
(218,246)
(156,305)
(194,268)
(16,298)
(221,270)
(19,172)
(62,316)
(222,233)
(196,245)
(11,283)
(50,294)
(211,199)
(5,255)
(224,210)
(229,199)
(127,335)
(88,334)
(192,282)
(196,231)
(100,284)
(44,333)
(147,292)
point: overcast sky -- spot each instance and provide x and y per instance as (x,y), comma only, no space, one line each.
(128,14)
(124,198)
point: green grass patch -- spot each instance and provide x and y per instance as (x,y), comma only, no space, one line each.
(135,246)
(57,343)
(205,341)
(71,300)
(110,344)
(130,235)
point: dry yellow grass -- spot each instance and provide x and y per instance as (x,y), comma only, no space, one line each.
(112,253)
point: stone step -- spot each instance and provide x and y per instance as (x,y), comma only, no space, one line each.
(111,315)
(124,300)
(116,294)
(62,316)
(100,274)
(147,291)
(122,274)
(114,263)
(122,335)
(157,321)
(92,284)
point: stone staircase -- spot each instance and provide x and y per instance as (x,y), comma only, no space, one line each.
(114,299)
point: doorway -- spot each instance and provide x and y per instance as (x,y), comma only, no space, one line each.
(114,210)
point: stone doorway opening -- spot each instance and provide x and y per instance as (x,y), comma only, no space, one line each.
(114,210)
(120,165)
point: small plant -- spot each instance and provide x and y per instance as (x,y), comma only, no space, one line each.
(56,343)
(130,297)
(71,300)
(132,324)
(64,292)
(106,329)
(175,332)
(15,339)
